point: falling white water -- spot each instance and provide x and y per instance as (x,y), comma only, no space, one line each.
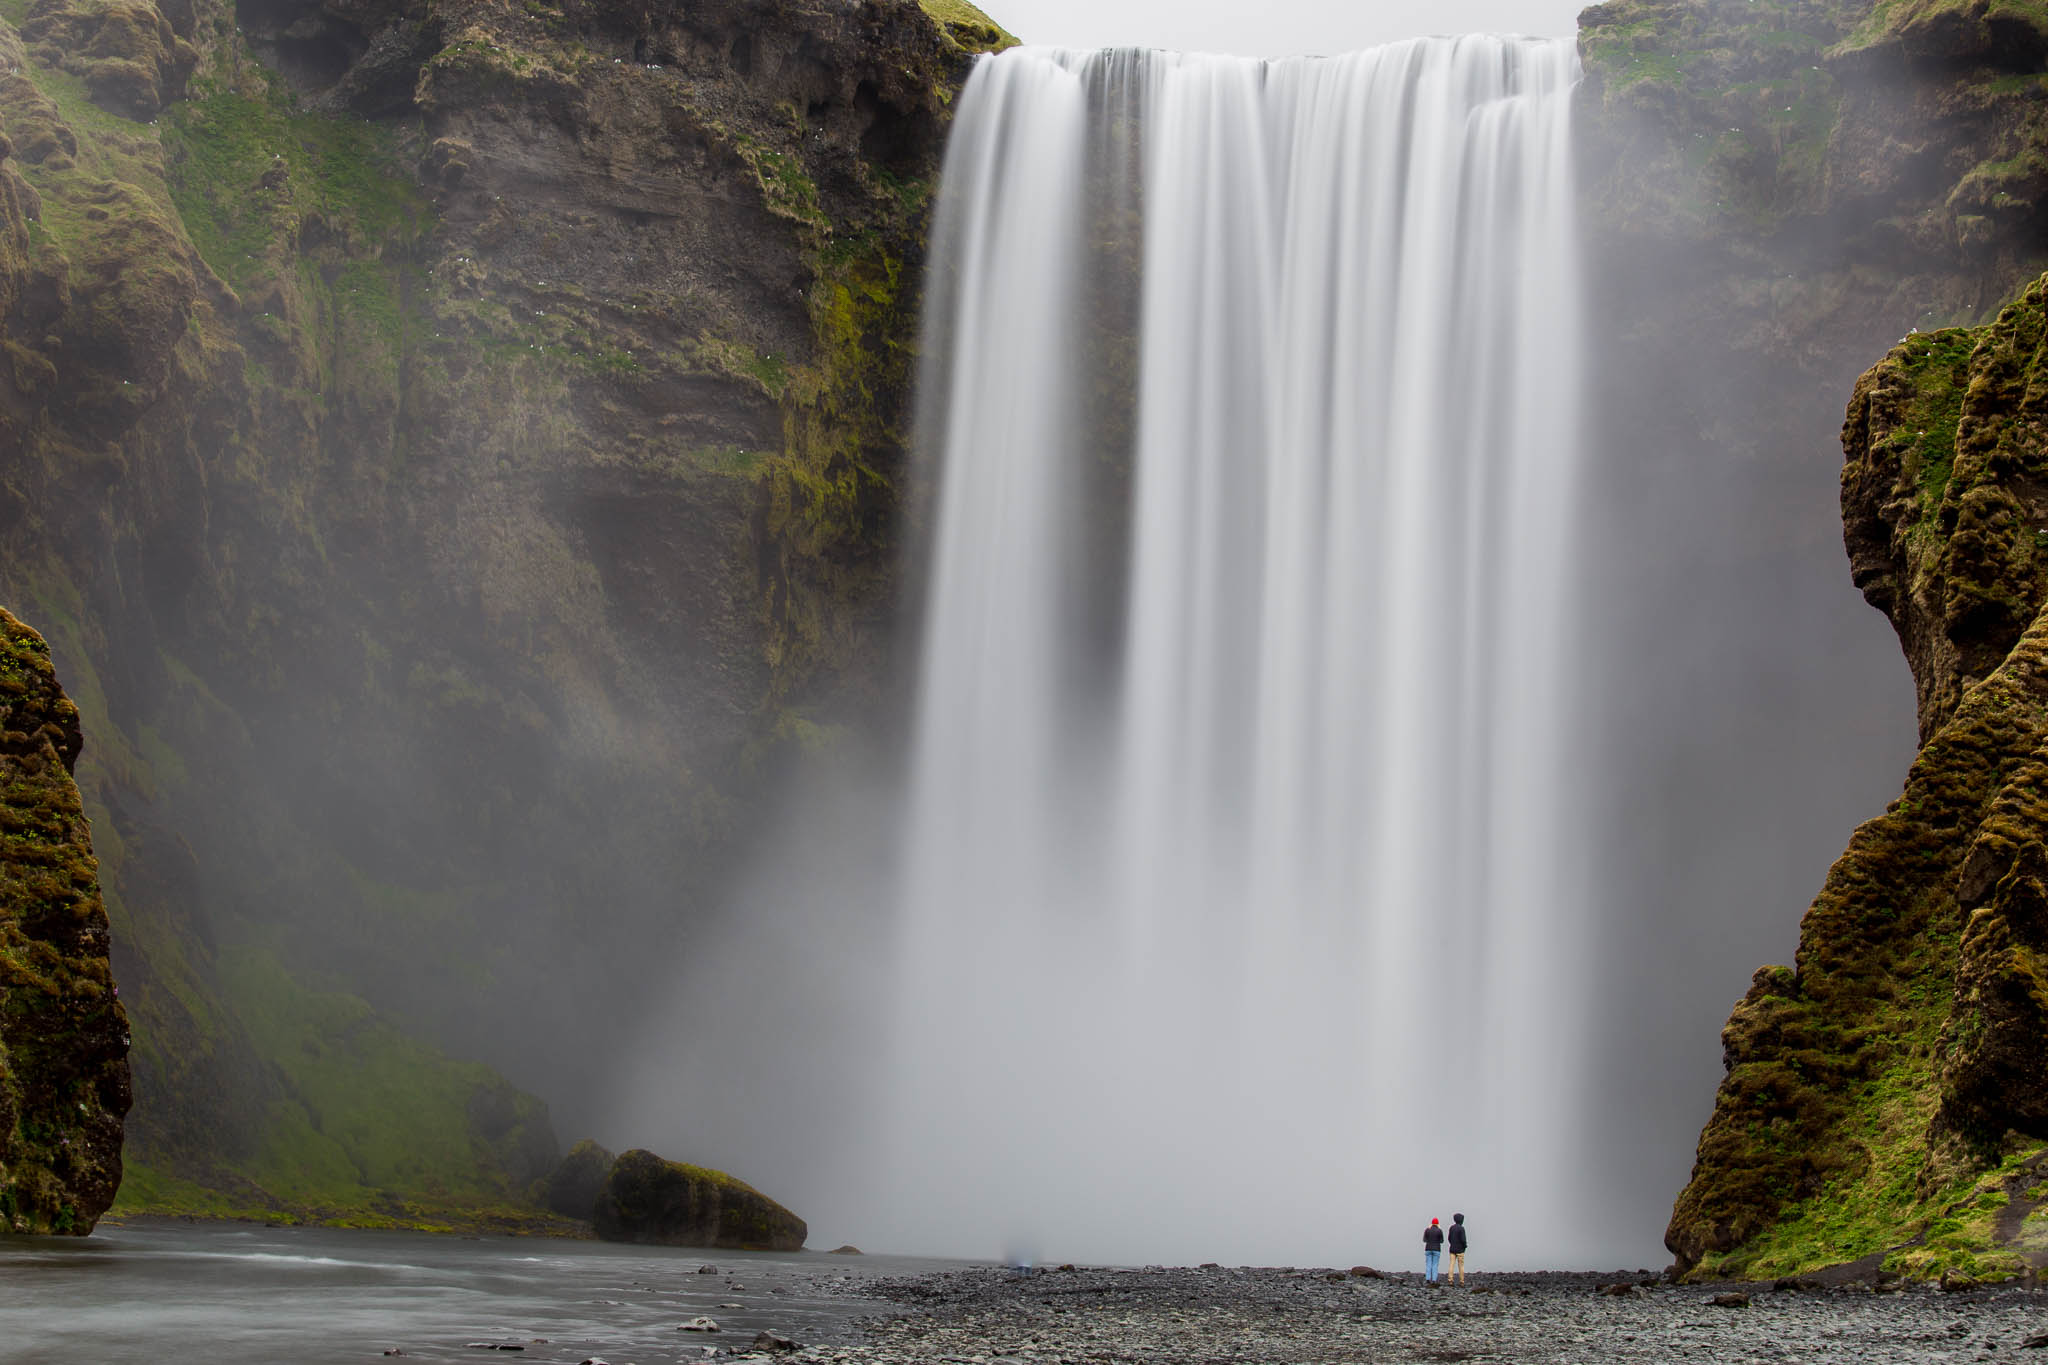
(1238,920)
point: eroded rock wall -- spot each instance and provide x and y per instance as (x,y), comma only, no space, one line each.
(455,450)
(1884,1091)
(1775,193)
(63,1034)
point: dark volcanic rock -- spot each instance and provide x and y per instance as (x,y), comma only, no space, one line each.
(571,1189)
(63,1033)
(647,1199)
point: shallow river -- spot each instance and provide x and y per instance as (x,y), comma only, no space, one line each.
(172,1293)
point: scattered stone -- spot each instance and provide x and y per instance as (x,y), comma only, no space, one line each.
(768,1341)
(1068,1268)
(707,1270)
(699,1324)
(1622,1290)
(848,1250)
(1337,1275)
(1366,1272)
(2035,1343)
(1729,1301)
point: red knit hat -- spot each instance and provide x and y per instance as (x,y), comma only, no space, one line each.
(1432,1222)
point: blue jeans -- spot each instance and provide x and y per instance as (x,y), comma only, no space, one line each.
(1429,1260)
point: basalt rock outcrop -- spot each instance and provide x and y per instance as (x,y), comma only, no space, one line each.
(454,451)
(1887,1094)
(63,1034)
(647,1199)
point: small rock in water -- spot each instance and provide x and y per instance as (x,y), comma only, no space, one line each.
(699,1324)
(395,1351)
(734,1284)
(707,1270)
(732,1305)
(768,1341)
(848,1250)
(1729,1301)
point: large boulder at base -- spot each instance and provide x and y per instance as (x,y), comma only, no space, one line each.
(63,1034)
(572,1188)
(647,1199)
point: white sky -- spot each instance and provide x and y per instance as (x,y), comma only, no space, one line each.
(1276,28)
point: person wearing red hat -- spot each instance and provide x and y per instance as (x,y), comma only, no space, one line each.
(1432,1249)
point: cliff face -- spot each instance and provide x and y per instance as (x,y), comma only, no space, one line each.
(1774,193)
(454,449)
(1888,1094)
(63,1034)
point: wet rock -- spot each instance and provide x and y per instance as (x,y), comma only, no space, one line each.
(707,1270)
(1729,1301)
(672,1204)
(699,1324)
(848,1250)
(768,1341)
(1366,1272)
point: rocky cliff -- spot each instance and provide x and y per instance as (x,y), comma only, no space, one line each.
(1774,194)
(1887,1095)
(63,1034)
(453,449)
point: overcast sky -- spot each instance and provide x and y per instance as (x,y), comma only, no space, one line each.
(1277,28)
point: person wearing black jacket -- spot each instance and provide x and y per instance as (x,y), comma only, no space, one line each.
(1457,1248)
(1432,1248)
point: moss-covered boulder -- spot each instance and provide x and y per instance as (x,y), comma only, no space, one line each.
(1884,1092)
(648,1199)
(63,1034)
(573,1187)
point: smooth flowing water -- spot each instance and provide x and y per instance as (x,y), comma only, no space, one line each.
(220,1292)
(1240,917)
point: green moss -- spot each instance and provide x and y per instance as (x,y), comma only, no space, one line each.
(246,171)
(968,26)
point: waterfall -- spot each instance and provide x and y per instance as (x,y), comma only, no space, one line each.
(1238,917)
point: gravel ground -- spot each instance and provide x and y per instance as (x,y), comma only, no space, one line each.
(1214,1314)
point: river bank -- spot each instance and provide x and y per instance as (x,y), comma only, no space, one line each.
(1215,1314)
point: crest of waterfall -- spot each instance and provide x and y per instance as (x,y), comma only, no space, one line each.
(1239,917)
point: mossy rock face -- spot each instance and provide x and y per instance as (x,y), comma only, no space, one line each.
(457,448)
(129,54)
(667,1203)
(63,1034)
(1896,1077)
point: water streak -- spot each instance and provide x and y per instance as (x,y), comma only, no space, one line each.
(1239,917)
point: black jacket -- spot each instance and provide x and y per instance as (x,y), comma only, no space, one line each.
(1457,1239)
(1432,1237)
